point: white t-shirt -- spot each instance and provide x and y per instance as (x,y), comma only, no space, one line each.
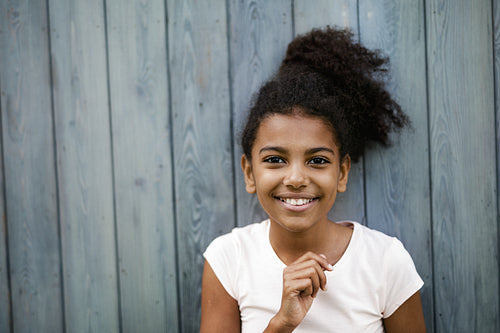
(371,280)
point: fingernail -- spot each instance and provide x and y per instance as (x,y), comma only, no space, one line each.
(330,266)
(322,255)
(325,288)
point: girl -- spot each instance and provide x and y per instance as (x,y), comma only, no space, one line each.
(298,271)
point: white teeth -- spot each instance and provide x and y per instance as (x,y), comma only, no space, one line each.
(296,202)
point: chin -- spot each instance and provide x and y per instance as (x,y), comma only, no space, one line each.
(294,224)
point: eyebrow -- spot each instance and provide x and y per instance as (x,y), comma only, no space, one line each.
(309,151)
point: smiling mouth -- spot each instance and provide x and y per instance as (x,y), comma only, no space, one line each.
(296,202)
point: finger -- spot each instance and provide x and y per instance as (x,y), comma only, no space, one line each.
(306,265)
(298,287)
(312,272)
(320,258)
(309,291)
(325,265)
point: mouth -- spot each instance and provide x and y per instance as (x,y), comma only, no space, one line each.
(297,201)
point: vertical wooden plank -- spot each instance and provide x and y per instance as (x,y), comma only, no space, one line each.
(496,52)
(30,179)
(462,128)
(143,169)
(255,56)
(397,179)
(202,139)
(84,165)
(342,13)
(5,301)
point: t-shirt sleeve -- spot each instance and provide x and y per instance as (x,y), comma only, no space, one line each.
(222,254)
(402,279)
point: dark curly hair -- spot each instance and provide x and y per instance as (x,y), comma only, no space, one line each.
(327,74)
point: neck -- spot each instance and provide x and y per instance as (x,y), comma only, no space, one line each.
(290,245)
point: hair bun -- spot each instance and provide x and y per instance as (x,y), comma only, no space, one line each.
(332,52)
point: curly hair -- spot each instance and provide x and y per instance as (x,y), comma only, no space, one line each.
(326,74)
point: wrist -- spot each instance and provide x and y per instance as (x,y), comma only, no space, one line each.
(276,325)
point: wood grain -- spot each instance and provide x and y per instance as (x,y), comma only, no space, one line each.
(397,198)
(496,52)
(255,56)
(84,165)
(341,13)
(210,93)
(462,128)
(5,301)
(30,179)
(142,165)
(198,53)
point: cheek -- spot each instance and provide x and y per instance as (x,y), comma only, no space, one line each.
(328,182)
(264,181)
(267,181)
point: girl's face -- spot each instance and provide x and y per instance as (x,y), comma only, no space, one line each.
(295,170)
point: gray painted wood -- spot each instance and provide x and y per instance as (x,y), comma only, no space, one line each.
(349,205)
(496,52)
(255,56)
(210,89)
(142,166)
(198,54)
(84,165)
(5,313)
(397,186)
(340,13)
(462,128)
(30,179)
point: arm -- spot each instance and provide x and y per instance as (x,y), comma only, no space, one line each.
(219,311)
(408,318)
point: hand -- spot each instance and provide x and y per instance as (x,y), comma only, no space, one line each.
(302,281)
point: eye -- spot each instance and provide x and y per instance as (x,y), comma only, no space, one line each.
(274,160)
(318,160)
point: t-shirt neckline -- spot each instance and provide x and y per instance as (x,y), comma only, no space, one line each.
(344,258)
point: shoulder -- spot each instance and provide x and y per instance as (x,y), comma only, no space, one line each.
(237,238)
(371,239)
(372,234)
(388,266)
(379,248)
(229,253)
(388,245)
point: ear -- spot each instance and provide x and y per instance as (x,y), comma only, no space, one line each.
(345,166)
(246,165)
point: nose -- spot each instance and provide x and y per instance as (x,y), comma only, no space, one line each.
(296,176)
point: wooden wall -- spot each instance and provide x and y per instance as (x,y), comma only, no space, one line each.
(120,160)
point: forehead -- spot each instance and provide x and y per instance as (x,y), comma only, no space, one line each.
(295,131)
